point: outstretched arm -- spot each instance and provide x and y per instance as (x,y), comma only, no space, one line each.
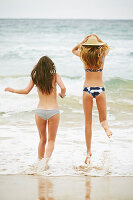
(22,91)
(61,85)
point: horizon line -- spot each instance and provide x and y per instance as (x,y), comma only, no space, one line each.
(66,18)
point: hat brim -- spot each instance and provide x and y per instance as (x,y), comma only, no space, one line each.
(93,44)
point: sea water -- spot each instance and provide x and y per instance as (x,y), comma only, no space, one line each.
(22,43)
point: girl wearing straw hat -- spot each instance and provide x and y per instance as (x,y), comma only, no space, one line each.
(92,52)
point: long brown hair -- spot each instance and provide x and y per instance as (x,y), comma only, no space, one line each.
(93,56)
(43,74)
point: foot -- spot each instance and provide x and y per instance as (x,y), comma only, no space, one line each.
(46,164)
(43,164)
(88,158)
(109,133)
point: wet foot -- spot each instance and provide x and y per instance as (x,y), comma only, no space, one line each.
(46,166)
(109,133)
(88,158)
(43,164)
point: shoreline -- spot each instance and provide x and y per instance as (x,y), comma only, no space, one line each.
(65,187)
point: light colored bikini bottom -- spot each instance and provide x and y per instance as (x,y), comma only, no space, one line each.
(46,114)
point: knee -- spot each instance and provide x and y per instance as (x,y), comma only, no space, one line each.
(43,140)
(51,141)
(88,127)
(88,123)
(102,119)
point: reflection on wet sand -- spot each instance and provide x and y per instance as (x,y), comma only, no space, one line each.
(58,188)
(45,188)
(65,188)
(88,188)
(85,188)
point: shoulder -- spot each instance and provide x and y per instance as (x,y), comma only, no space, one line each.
(58,77)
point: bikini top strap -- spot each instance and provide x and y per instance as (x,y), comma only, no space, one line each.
(93,70)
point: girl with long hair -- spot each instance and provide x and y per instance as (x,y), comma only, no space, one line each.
(45,78)
(92,52)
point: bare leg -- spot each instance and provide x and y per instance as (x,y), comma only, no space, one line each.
(41,125)
(101,105)
(53,123)
(88,105)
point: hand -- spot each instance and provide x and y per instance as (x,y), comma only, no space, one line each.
(62,96)
(9,89)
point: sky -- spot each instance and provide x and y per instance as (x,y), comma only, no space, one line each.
(90,9)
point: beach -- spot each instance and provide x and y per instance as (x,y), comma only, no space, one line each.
(65,187)
(109,176)
(23,42)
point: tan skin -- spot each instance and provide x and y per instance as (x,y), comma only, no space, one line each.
(93,79)
(45,102)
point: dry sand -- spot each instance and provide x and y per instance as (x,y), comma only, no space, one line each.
(29,187)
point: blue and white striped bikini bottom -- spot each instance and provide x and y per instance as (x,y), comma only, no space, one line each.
(46,114)
(94,91)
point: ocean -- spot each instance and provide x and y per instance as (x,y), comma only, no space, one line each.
(22,43)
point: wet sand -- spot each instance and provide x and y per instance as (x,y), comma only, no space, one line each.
(29,187)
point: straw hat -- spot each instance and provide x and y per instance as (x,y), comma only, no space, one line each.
(92,41)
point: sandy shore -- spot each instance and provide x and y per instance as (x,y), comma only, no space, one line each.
(28,187)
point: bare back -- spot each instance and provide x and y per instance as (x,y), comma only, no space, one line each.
(48,101)
(93,79)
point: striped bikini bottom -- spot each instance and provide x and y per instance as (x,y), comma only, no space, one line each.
(94,91)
